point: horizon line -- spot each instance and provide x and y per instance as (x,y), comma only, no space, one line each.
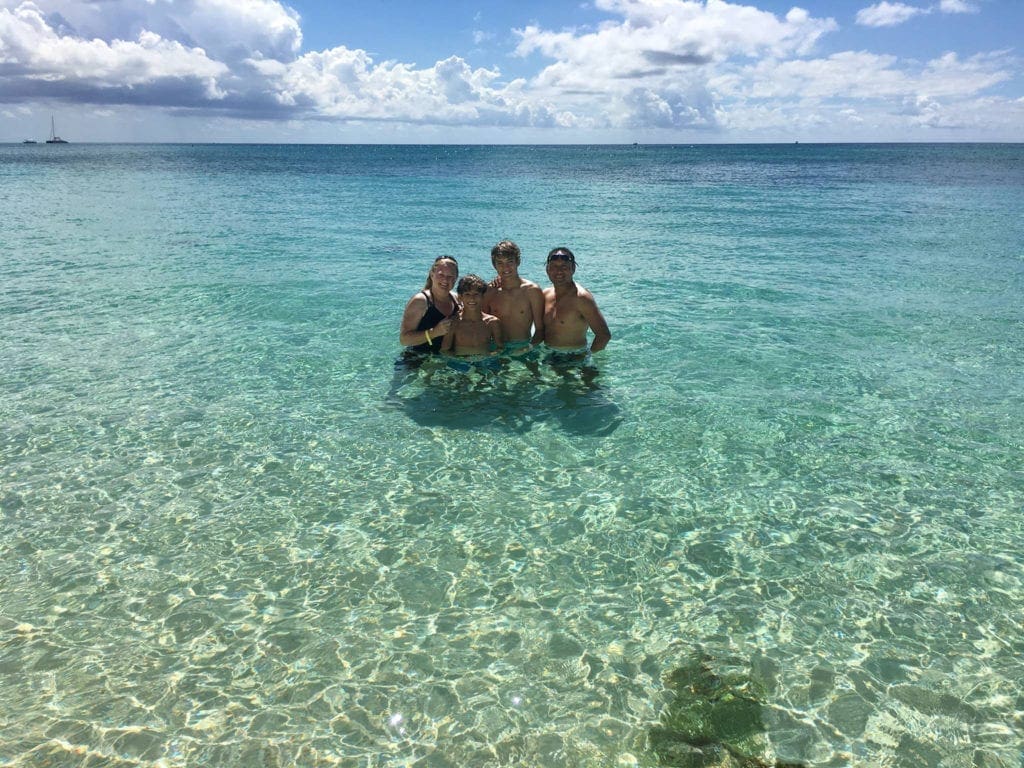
(782,142)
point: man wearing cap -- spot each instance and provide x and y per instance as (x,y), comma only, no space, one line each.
(570,309)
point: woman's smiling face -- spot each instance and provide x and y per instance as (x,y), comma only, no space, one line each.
(444,275)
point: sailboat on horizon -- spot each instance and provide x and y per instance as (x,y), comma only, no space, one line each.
(54,138)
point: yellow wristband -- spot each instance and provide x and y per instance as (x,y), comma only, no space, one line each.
(429,340)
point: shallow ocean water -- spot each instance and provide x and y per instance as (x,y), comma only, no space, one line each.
(233,533)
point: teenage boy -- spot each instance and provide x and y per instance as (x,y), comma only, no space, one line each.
(518,302)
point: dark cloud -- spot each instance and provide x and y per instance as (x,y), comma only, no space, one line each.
(637,74)
(669,59)
(188,94)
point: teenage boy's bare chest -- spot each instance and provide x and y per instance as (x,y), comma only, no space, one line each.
(510,301)
(472,330)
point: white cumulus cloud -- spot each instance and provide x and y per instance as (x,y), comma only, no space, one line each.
(46,61)
(347,84)
(652,66)
(957,6)
(225,29)
(886,14)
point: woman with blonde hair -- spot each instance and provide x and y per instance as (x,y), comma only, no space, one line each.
(428,315)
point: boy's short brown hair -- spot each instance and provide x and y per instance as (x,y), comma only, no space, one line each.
(472,284)
(506,248)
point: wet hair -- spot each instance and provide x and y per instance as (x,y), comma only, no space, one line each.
(472,284)
(562,252)
(506,248)
(430,274)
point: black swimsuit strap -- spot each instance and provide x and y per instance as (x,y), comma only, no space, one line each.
(430,303)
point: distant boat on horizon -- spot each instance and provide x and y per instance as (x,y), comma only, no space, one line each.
(30,141)
(54,138)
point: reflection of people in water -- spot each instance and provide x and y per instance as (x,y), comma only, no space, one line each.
(473,332)
(428,314)
(570,311)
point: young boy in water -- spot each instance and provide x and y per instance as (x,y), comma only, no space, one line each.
(518,302)
(473,332)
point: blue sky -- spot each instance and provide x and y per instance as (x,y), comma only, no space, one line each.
(525,72)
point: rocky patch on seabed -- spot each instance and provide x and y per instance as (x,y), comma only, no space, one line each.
(714,721)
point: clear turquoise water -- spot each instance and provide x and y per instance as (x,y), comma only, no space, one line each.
(231,534)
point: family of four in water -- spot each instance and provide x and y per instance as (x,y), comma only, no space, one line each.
(510,315)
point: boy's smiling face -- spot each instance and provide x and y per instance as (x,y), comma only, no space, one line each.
(506,266)
(471,298)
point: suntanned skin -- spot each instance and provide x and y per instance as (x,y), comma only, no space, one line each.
(518,302)
(473,331)
(443,276)
(569,310)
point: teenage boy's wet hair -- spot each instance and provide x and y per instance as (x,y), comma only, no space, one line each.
(472,284)
(506,248)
